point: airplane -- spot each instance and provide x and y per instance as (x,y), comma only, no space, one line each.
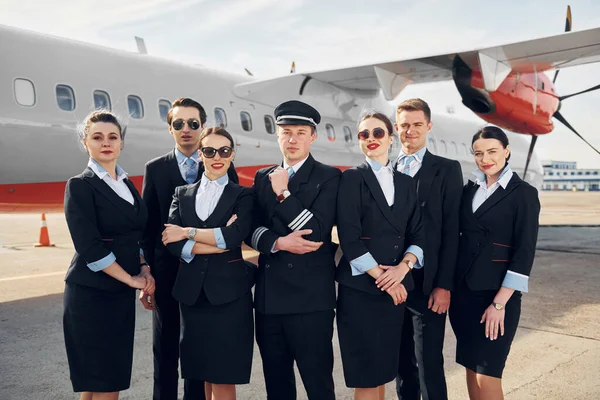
(45,95)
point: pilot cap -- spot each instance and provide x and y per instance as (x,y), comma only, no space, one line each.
(295,112)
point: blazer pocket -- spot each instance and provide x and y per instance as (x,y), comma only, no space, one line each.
(501,253)
(236,260)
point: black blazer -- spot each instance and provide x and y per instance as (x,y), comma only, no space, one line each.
(100,222)
(225,276)
(500,236)
(366,223)
(439,187)
(295,283)
(161,177)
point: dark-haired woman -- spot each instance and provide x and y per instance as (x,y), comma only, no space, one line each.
(381,236)
(499,227)
(208,221)
(106,217)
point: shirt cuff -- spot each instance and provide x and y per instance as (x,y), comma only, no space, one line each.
(103,263)
(273,247)
(362,264)
(514,280)
(219,238)
(418,252)
(186,252)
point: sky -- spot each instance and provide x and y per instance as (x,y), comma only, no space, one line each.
(265,36)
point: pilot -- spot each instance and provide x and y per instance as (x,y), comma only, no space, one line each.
(381,236)
(499,226)
(106,217)
(162,175)
(439,185)
(295,209)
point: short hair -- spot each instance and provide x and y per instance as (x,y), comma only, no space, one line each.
(216,131)
(186,102)
(368,114)
(415,105)
(492,132)
(100,116)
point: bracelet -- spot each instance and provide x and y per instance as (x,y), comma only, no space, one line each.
(144,264)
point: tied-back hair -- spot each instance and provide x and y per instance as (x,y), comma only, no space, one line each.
(216,131)
(368,114)
(492,132)
(101,115)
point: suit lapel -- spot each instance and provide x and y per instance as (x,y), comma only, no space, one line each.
(427,172)
(498,195)
(227,200)
(173,170)
(302,176)
(102,187)
(187,205)
(377,193)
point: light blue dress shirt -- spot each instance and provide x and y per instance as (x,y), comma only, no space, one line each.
(181,162)
(415,164)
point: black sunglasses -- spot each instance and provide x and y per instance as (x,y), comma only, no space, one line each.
(210,152)
(378,133)
(178,124)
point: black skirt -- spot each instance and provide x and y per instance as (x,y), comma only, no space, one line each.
(99,326)
(473,350)
(217,342)
(369,330)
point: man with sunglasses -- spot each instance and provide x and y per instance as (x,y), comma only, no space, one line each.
(181,166)
(295,211)
(439,184)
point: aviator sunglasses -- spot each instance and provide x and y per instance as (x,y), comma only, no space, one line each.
(210,152)
(178,124)
(378,133)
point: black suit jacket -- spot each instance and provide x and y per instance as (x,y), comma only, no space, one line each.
(224,277)
(367,224)
(289,283)
(100,222)
(500,236)
(161,177)
(439,187)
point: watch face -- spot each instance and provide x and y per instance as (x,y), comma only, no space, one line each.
(498,306)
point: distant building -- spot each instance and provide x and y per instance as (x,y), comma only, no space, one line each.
(564,175)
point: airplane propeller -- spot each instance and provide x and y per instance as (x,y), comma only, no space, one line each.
(557,114)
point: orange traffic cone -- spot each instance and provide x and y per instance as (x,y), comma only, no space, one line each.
(44,237)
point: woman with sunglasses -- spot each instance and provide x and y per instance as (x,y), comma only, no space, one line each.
(208,221)
(381,236)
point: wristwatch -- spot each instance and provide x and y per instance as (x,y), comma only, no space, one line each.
(283,195)
(409,263)
(498,306)
(144,265)
(191,233)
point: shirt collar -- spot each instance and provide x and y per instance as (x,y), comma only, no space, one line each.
(222,181)
(101,172)
(181,158)
(376,167)
(503,179)
(295,167)
(418,155)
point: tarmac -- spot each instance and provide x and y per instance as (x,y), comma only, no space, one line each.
(555,355)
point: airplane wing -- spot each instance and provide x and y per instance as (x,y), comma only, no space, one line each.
(495,63)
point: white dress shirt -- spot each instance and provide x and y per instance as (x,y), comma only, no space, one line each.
(484,192)
(209,194)
(117,185)
(385,177)
(415,164)
(295,167)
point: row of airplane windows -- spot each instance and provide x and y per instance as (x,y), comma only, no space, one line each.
(24,91)
(574,173)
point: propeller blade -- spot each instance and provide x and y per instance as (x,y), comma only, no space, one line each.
(248,72)
(562,119)
(578,93)
(529,154)
(567,29)
(555,75)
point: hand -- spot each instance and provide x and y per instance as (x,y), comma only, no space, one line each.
(174,233)
(150,284)
(147,301)
(439,300)
(392,276)
(295,243)
(137,282)
(231,220)
(494,322)
(279,180)
(398,293)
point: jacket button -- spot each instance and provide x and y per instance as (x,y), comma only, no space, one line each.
(205,258)
(267,266)
(460,234)
(202,273)
(290,265)
(396,246)
(395,260)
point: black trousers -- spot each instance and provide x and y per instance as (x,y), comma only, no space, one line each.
(421,366)
(165,342)
(304,338)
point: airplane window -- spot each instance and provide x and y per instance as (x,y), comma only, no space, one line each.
(595,173)
(443,147)
(220,118)
(136,107)
(347,134)
(454,148)
(246,121)
(432,146)
(65,98)
(551,173)
(579,173)
(587,172)
(163,108)
(330,132)
(24,92)
(101,100)
(269,124)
